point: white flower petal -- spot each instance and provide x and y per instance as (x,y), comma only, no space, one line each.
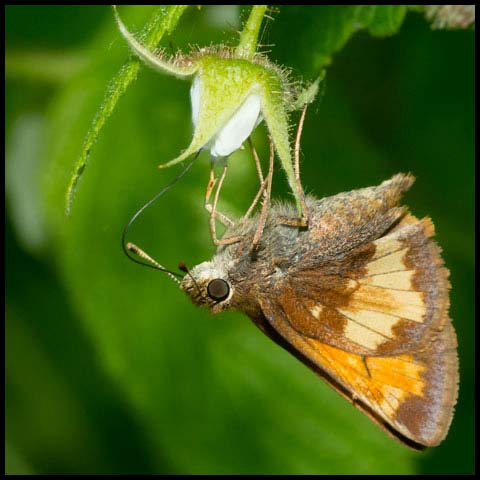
(195,91)
(238,128)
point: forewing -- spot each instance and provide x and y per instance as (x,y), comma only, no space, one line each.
(379,299)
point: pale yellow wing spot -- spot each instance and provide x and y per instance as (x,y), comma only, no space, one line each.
(404,304)
(316,311)
(400,280)
(388,263)
(363,336)
(385,247)
(367,328)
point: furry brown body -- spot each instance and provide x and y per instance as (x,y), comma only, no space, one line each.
(361,297)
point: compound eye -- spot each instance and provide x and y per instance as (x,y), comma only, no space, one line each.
(218,289)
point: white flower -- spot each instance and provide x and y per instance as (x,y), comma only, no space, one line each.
(236,130)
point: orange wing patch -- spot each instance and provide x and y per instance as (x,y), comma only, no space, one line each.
(384,383)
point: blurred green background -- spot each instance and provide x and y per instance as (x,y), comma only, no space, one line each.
(109,367)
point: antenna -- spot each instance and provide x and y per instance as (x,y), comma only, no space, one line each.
(130,247)
(183,267)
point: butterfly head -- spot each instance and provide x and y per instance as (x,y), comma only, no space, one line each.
(208,284)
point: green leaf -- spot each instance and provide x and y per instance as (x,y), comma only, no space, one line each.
(163,22)
(382,20)
(15,463)
(327,28)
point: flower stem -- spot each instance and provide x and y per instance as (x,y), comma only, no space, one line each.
(249,36)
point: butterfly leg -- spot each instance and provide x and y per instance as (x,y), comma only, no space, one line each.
(266,200)
(263,183)
(214,214)
(298,222)
(296,165)
(211,184)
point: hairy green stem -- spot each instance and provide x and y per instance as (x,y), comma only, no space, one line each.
(249,36)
